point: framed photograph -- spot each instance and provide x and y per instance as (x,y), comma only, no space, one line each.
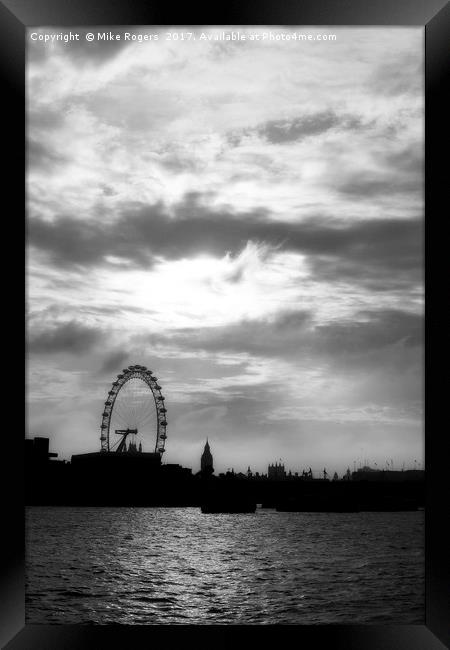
(227,224)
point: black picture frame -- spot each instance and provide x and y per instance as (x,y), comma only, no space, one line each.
(433,15)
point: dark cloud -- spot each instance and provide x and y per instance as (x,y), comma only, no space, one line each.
(289,334)
(365,185)
(280,131)
(260,337)
(371,330)
(177,163)
(394,173)
(378,275)
(385,255)
(298,128)
(367,250)
(294,334)
(41,156)
(113,363)
(142,234)
(108,190)
(409,160)
(44,118)
(68,240)
(71,337)
(276,131)
(233,138)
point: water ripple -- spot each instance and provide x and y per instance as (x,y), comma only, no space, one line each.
(167,566)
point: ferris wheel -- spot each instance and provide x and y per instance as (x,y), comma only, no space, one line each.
(134,417)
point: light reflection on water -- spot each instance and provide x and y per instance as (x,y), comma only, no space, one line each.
(177,565)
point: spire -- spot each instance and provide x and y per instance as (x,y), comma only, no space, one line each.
(206,461)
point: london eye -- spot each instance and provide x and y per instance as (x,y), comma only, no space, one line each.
(134,418)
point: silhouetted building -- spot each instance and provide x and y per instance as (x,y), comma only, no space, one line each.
(276,472)
(172,470)
(36,450)
(130,477)
(44,477)
(130,460)
(369,474)
(206,461)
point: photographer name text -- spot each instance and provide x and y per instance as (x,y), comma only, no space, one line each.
(141,37)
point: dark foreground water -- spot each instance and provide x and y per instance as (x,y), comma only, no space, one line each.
(170,565)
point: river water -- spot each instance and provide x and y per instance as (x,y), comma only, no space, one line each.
(177,565)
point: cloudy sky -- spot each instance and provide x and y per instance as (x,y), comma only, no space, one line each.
(245,219)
